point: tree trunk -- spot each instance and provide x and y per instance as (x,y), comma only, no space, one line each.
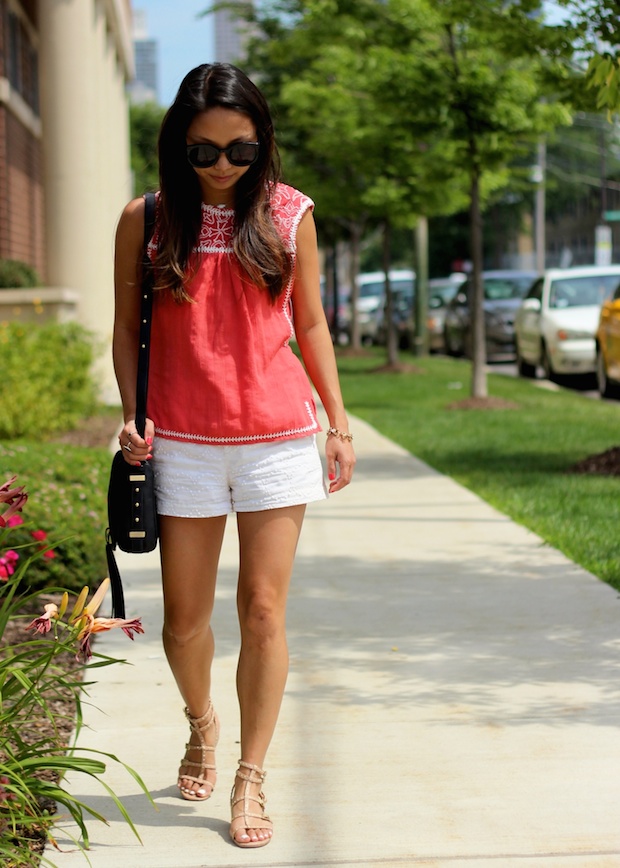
(331,290)
(392,343)
(476,300)
(420,312)
(354,264)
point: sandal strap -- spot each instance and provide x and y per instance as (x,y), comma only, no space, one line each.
(202,747)
(205,766)
(202,782)
(243,817)
(256,775)
(198,724)
(259,799)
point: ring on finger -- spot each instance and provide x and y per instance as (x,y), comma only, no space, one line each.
(127,446)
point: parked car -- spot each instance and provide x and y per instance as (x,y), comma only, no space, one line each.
(339,325)
(503,293)
(608,347)
(371,302)
(557,322)
(441,291)
(402,316)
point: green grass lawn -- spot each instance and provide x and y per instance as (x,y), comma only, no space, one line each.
(516,459)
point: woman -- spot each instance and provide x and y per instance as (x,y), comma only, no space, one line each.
(231,421)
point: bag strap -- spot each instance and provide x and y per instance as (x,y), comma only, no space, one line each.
(116,584)
(146,310)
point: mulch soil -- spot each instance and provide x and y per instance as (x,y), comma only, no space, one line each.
(62,708)
(605,463)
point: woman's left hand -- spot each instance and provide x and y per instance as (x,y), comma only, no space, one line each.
(135,448)
(340,463)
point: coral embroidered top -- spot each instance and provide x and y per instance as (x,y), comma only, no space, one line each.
(221,368)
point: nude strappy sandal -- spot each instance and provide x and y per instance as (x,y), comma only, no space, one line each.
(200,725)
(243,807)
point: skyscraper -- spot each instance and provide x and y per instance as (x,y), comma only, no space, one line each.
(143,88)
(230,35)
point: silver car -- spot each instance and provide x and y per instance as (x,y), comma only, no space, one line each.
(503,293)
(557,321)
(441,291)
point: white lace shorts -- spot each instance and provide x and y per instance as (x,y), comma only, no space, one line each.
(194,480)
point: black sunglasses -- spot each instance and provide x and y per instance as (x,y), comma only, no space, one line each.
(238,154)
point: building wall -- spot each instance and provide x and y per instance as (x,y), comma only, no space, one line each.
(64,148)
(85,61)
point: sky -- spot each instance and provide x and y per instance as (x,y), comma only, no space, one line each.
(184,40)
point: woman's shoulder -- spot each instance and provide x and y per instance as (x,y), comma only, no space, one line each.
(288,207)
(285,198)
(131,222)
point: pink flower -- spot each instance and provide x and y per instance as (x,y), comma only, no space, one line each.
(41,536)
(99,625)
(43,623)
(84,617)
(16,504)
(14,521)
(7,564)
(7,493)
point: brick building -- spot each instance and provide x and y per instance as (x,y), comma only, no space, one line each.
(64,147)
(22,234)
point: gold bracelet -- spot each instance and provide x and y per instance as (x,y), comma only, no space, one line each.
(341,435)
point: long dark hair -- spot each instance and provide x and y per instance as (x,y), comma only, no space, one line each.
(256,242)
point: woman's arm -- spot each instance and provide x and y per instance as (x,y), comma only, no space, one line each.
(317,350)
(127,284)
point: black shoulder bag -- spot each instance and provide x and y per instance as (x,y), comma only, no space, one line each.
(132,512)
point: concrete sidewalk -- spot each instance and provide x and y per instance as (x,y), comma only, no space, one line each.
(454,697)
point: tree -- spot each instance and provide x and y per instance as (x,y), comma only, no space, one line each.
(597,21)
(404,108)
(351,69)
(144,123)
(496,59)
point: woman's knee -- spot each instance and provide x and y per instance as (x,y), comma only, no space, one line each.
(184,628)
(261,618)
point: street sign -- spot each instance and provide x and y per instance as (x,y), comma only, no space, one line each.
(611,215)
(602,245)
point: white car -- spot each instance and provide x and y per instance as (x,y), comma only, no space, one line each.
(558,318)
(371,298)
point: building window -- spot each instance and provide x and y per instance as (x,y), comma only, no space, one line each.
(22,62)
(34,81)
(14,52)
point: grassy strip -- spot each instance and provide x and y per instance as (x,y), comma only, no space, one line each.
(516,459)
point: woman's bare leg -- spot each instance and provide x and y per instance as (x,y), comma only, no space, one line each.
(267,545)
(190,551)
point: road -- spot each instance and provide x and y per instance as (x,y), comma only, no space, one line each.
(583,385)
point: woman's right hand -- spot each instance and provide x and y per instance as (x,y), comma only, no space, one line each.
(135,448)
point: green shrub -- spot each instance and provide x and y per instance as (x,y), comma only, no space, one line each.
(17,275)
(68,489)
(46,383)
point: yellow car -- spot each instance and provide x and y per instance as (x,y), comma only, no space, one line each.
(608,347)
